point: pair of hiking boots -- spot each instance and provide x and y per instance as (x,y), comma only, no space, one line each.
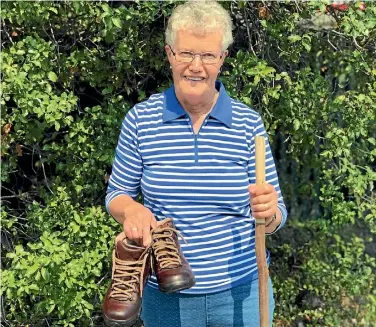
(131,267)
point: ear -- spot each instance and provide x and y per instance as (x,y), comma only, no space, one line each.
(224,55)
(170,56)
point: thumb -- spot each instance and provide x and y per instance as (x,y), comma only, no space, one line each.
(252,189)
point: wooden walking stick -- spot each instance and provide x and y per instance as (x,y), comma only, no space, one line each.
(260,237)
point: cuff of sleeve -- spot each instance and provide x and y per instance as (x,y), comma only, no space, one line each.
(283,213)
(112,195)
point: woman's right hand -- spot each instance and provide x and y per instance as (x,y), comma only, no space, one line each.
(138,222)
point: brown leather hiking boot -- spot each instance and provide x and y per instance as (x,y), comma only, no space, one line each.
(170,266)
(130,272)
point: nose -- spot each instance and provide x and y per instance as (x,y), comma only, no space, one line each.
(196,63)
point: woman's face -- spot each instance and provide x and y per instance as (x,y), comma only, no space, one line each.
(195,81)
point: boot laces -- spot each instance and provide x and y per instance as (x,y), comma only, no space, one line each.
(164,247)
(126,277)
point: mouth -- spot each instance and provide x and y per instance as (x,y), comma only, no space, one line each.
(194,79)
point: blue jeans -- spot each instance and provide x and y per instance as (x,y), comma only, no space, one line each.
(236,307)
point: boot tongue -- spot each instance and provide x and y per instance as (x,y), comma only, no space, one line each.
(128,251)
(165,223)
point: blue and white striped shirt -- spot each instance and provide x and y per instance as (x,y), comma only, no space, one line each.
(199,180)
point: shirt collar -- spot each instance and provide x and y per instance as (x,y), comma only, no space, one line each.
(221,111)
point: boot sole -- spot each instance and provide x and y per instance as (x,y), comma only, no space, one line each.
(122,323)
(173,287)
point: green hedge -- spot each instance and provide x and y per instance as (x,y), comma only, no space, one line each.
(70,72)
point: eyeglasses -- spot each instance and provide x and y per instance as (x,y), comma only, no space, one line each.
(208,58)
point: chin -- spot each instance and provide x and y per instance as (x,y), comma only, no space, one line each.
(193,90)
(193,95)
(194,99)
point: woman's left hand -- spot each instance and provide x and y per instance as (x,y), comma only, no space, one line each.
(264,201)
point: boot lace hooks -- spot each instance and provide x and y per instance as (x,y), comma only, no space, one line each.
(126,276)
(164,247)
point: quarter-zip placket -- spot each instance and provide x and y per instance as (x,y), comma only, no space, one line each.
(195,136)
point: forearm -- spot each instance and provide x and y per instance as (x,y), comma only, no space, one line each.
(118,207)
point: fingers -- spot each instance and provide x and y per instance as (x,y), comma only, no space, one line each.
(147,225)
(264,210)
(132,229)
(138,224)
(137,233)
(153,222)
(255,190)
(263,207)
(261,199)
(264,200)
(264,203)
(264,214)
(146,239)
(252,188)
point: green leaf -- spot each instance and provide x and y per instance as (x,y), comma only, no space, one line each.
(53,10)
(256,80)
(51,308)
(75,228)
(44,273)
(52,76)
(268,70)
(34,287)
(87,304)
(294,38)
(296,124)
(116,21)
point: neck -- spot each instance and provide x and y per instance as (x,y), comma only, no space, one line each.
(198,110)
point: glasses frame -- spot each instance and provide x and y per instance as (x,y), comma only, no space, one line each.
(194,56)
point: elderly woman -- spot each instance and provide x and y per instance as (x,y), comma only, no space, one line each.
(190,152)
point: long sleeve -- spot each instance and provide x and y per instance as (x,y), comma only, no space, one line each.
(271,175)
(127,167)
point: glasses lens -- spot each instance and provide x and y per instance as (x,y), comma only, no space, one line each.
(187,56)
(209,58)
(184,56)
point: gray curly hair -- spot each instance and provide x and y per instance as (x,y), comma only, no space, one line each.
(200,16)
